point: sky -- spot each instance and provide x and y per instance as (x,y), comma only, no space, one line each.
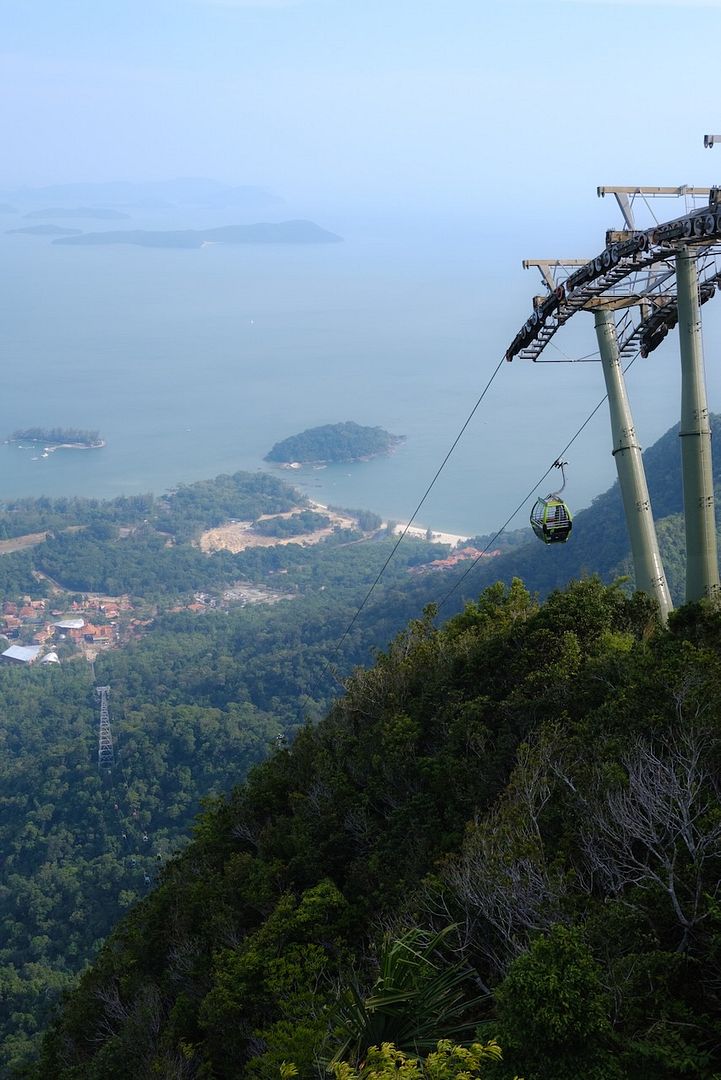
(444,107)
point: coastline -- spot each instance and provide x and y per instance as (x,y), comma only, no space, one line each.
(325,462)
(50,447)
(417,532)
(75,446)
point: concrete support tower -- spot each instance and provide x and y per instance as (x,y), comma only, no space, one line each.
(648,568)
(702,573)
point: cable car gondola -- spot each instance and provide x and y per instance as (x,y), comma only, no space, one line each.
(551,520)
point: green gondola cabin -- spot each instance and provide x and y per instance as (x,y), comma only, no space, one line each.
(551,520)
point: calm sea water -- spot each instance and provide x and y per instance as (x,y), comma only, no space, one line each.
(193,363)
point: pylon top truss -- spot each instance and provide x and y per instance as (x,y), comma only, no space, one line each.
(636,269)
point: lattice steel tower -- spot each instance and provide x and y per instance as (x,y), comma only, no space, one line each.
(106,757)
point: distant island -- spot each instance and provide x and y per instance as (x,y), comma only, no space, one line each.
(100,213)
(332,443)
(282,232)
(59,438)
(45,230)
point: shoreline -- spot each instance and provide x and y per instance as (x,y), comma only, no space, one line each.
(325,462)
(417,532)
(35,444)
(75,446)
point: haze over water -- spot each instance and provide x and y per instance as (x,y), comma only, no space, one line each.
(194,362)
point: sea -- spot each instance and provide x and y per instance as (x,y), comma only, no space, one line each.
(192,363)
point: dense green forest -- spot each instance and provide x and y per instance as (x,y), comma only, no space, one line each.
(532,789)
(305,521)
(334,442)
(194,703)
(184,512)
(199,700)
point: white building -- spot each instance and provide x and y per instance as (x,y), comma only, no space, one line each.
(21,654)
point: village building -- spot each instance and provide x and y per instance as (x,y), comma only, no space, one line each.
(70,624)
(458,556)
(21,654)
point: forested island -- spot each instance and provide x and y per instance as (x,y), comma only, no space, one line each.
(332,443)
(56,438)
(44,230)
(281,232)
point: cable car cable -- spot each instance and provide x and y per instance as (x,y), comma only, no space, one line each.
(427,492)
(401,537)
(530,495)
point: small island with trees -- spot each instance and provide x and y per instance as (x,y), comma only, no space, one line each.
(59,438)
(334,443)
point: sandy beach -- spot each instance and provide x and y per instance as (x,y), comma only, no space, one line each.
(420,532)
(417,532)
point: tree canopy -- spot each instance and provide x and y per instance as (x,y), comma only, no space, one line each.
(524,774)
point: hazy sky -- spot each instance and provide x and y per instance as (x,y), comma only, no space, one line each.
(447,104)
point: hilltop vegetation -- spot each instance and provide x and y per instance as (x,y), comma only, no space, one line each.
(543,779)
(334,443)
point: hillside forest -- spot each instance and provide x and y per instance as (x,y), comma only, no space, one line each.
(506,830)
(348,790)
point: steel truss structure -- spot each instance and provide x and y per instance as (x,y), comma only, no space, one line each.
(106,756)
(643,284)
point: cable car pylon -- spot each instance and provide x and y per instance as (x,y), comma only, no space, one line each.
(667,272)
(106,756)
(647,563)
(702,573)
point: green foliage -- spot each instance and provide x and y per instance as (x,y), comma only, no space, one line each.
(74,853)
(185,727)
(182,513)
(290,961)
(77,436)
(417,997)
(206,503)
(334,442)
(368,521)
(446,1062)
(526,721)
(295,525)
(16,576)
(145,546)
(368,802)
(553,1011)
